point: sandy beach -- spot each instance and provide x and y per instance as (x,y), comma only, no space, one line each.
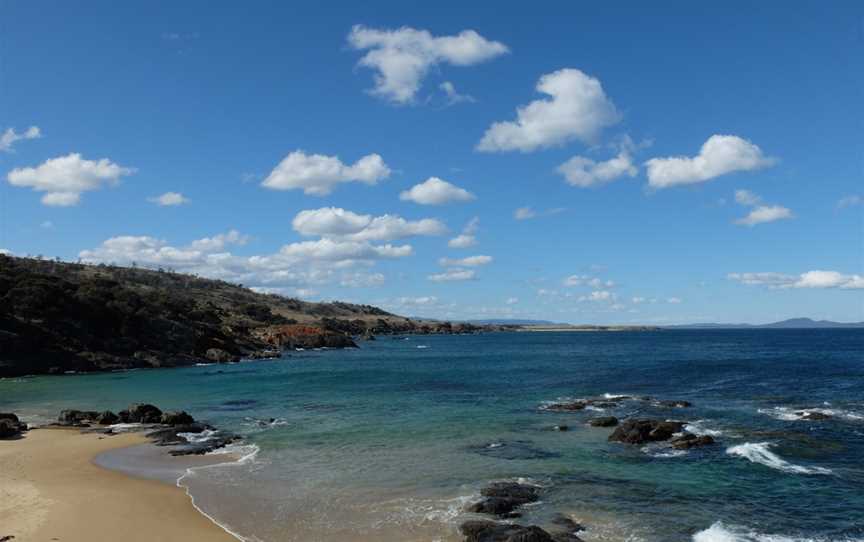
(51,490)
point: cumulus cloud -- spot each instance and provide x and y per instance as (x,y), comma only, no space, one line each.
(850,201)
(527,213)
(63,179)
(586,280)
(598,296)
(169,199)
(453,275)
(760,213)
(295,265)
(454,97)
(335,222)
(810,279)
(512,300)
(10,137)
(435,191)
(401,58)
(470,261)
(577,109)
(585,172)
(765,213)
(318,174)
(719,155)
(467,238)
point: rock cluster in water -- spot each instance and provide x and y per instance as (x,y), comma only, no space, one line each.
(10,425)
(169,428)
(503,499)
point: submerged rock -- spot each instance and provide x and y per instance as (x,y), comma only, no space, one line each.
(640,431)
(603,421)
(512,450)
(689,440)
(813,415)
(566,406)
(489,531)
(502,498)
(561,428)
(674,404)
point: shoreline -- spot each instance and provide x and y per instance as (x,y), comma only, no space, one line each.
(49,483)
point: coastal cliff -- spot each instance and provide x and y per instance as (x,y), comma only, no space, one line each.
(57,317)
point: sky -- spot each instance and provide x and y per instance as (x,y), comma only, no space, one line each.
(613,162)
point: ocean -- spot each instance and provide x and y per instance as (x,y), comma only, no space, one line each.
(389,442)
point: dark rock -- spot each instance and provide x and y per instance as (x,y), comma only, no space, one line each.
(689,440)
(76,417)
(561,428)
(9,428)
(603,421)
(201,448)
(176,418)
(219,355)
(502,498)
(170,436)
(640,431)
(143,413)
(674,404)
(489,531)
(9,416)
(107,418)
(566,407)
(813,416)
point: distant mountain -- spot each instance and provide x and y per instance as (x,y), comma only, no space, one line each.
(509,322)
(792,323)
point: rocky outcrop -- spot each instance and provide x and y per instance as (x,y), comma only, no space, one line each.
(81,418)
(141,413)
(176,418)
(641,431)
(503,498)
(603,421)
(689,440)
(490,531)
(107,418)
(302,336)
(10,425)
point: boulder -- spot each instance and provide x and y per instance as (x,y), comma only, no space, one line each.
(9,428)
(674,404)
(76,417)
(142,413)
(640,431)
(218,355)
(176,418)
(603,421)
(813,416)
(689,440)
(489,531)
(502,498)
(107,418)
(9,416)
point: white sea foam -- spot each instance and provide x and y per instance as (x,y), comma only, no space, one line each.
(126,427)
(422,346)
(759,452)
(721,532)
(800,414)
(662,450)
(698,428)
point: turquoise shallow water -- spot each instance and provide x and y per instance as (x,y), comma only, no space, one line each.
(390,441)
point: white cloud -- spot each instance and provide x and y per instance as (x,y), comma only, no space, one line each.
(810,279)
(6,252)
(585,280)
(576,280)
(638,300)
(765,213)
(435,191)
(295,265)
(585,172)
(524,213)
(317,174)
(66,177)
(674,300)
(470,261)
(169,199)
(10,137)
(578,109)
(598,296)
(760,213)
(401,58)
(719,155)
(850,201)
(512,300)
(417,301)
(48,225)
(746,197)
(467,238)
(452,275)
(338,223)
(454,97)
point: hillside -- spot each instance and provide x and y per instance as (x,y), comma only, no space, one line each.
(792,323)
(57,317)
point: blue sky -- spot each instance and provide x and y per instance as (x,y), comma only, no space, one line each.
(672,162)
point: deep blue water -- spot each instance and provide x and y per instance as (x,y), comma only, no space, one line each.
(390,441)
